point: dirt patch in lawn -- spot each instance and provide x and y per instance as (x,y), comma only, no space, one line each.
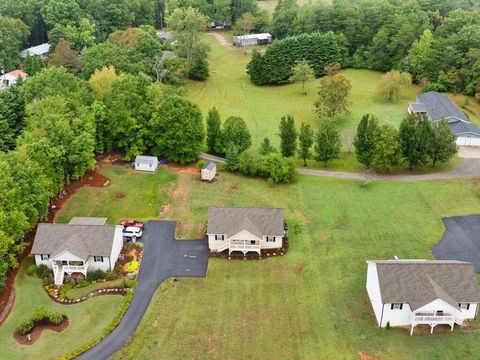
(363,356)
(120,195)
(179,194)
(302,216)
(37,331)
(179,169)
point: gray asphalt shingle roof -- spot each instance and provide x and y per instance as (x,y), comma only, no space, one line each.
(88,221)
(420,282)
(257,221)
(80,240)
(209,166)
(145,159)
(439,106)
(460,127)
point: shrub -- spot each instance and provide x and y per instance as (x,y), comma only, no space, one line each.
(83,283)
(200,164)
(278,169)
(130,283)
(47,280)
(248,163)
(139,244)
(43,271)
(25,327)
(32,270)
(55,318)
(63,290)
(39,313)
(96,275)
(110,275)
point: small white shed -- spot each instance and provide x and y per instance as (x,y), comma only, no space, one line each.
(209,171)
(146,163)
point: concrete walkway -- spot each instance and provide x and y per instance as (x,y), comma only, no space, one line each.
(467,169)
(163,257)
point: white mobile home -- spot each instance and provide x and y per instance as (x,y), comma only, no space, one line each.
(146,163)
(85,244)
(414,292)
(245,229)
(41,50)
(209,171)
(252,39)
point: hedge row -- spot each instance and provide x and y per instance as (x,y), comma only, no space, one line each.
(104,333)
(319,49)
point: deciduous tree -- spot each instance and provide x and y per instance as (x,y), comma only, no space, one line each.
(288,136)
(327,142)
(333,95)
(302,72)
(305,137)
(236,132)
(388,151)
(442,146)
(365,142)
(393,84)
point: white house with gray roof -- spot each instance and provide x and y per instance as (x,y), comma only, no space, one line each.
(146,163)
(85,244)
(245,229)
(439,107)
(414,292)
(41,50)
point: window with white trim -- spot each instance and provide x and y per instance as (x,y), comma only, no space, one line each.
(45,256)
(98,258)
(270,238)
(220,237)
(396,306)
(464,306)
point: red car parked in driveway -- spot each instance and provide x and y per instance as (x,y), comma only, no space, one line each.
(132,222)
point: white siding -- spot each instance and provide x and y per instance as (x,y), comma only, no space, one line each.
(209,174)
(471,312)
(214,244)
(66,256)
(396,317)
(39,261)
(468,141)
(271,245)
(373,290)
(117,246)
(93,265)
(146,167)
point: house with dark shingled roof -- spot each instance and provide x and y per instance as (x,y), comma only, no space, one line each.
(245,229)
(429,292)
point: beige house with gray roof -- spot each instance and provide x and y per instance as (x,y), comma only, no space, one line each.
(414,292)
(84,244)
(245,229)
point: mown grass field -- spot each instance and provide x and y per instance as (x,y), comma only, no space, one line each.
(231,91)
(131,193)
(87,320)
(310,303)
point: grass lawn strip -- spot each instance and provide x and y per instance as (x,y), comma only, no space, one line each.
(79,292)
(88,319)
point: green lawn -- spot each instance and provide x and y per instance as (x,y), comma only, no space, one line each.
(87,320)
(77,293)
(130,194)
(230,90)
(311,303)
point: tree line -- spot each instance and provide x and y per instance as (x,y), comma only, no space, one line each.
(435,41)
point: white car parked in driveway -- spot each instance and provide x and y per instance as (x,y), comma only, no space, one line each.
(132,232)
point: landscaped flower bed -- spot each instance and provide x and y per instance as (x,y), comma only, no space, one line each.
(30,329)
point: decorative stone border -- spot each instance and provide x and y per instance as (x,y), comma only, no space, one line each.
(100,292)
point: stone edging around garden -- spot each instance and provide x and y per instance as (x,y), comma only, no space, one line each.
(100,292)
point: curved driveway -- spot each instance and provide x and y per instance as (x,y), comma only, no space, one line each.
(467,169)
(163,257)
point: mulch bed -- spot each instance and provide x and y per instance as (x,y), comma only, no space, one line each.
(127,258)
(37,331)
(265,253)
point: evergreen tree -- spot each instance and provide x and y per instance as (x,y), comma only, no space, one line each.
(442,145)
(266,147)
(231,157)
(415,135)
(327,142)
(305,138)
(288,136)
(368,132)
(388,150)
(214,132)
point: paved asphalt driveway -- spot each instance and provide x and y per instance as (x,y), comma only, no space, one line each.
(461,240)
(163,257)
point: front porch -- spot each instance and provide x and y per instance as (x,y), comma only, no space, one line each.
(224,252)
(433,319)
(69,267)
